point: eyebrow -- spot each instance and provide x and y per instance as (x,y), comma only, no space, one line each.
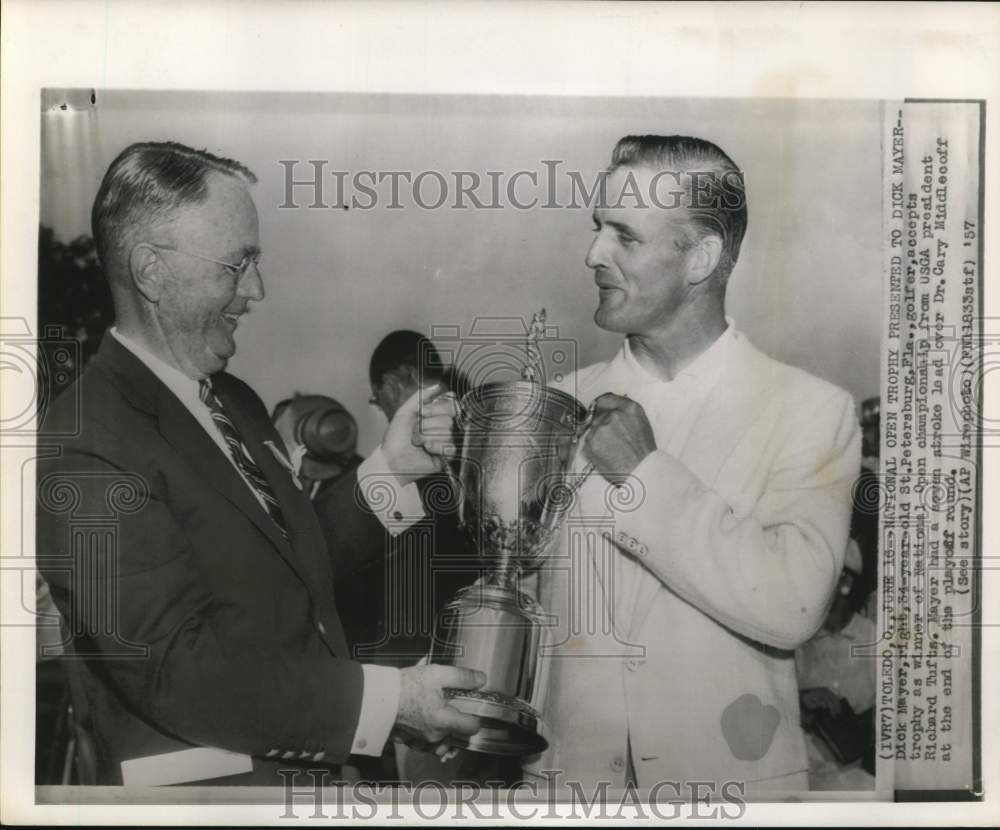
(245,251)
(618,226)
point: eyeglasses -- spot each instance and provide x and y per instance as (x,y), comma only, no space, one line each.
(237,269)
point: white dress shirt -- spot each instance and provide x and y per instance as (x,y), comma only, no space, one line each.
(380,700)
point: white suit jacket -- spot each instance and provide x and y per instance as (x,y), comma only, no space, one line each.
(677,600)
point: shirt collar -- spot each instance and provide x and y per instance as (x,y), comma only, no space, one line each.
(704,369)
(174,379)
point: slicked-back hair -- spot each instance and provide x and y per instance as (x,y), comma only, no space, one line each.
(144,184)
(405,349)
(714,199)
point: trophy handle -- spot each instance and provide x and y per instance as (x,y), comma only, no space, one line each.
(449,470)
(581,431)
(569,492)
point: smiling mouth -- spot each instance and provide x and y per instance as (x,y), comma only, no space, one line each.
(232,319)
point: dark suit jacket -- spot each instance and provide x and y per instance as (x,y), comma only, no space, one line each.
(391,589)
(199,624)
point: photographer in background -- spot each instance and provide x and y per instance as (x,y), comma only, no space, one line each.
(390,589)
(402,362)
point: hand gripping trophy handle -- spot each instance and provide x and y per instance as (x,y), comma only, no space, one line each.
(564,500)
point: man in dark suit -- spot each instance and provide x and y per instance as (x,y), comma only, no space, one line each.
(189,569)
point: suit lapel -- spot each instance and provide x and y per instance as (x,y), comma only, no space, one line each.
(146,392)
(190,440)
(305,555)
(296,509)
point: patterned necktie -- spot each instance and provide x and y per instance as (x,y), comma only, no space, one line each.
(241,455)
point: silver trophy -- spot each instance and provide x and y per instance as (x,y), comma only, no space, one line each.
(514,488)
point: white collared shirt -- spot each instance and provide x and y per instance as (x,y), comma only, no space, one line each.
(186,390)
(380,700)
(674,404)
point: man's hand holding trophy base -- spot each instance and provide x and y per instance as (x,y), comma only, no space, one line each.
(425,716)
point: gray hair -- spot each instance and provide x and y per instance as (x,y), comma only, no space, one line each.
(145,183)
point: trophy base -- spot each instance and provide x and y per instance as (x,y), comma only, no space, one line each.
(507,726)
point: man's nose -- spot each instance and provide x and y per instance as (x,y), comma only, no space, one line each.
(596,253)
(252,284)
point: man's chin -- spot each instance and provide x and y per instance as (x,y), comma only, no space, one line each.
(225,349)
(609,320)
(217,359)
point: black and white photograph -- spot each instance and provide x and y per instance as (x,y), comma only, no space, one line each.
(466,454)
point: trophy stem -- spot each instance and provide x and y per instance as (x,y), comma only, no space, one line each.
(506,572)
(514,484)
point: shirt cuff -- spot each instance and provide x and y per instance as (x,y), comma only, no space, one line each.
(379,707)
(395,505)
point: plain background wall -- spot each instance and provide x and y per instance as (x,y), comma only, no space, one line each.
(807,288)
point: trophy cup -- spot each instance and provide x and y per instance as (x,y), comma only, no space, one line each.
(518,446)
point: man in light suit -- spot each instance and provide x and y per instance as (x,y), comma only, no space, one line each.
(189,568)
(710,537)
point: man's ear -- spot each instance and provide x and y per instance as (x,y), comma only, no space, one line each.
(148,271)
(703,258)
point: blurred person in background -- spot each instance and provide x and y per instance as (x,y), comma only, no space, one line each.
(391,588)
(320,438)
(836,675)
(394,586)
